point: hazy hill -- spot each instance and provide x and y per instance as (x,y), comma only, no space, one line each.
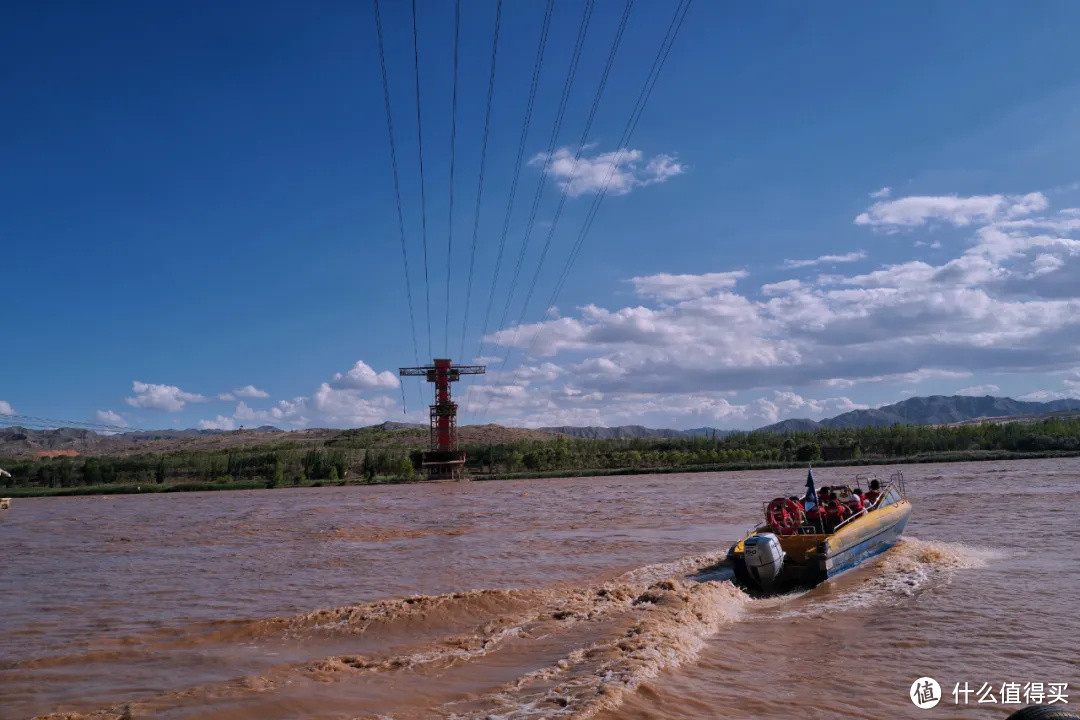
(622,432)
(932,410)
(792,425)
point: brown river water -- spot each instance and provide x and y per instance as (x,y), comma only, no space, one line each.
(546,598)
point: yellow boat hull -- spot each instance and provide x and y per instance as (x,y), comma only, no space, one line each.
(812,558)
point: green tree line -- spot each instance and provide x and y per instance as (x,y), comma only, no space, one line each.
(368,456)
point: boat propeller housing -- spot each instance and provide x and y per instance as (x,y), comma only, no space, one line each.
(764,558)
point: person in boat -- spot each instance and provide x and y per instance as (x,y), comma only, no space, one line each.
(822,496)
(863,502)
(835,513)
(800,516)
(816,515)
(874,493)
(855,504)
(784,516)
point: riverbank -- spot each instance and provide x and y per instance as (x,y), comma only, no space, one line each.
(971,456)
(149,489)
(125,489)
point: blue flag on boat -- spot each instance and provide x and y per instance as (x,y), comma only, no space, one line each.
(810,500)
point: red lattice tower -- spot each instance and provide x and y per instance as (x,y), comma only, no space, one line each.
(443,460)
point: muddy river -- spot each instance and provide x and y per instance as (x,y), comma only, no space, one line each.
(532,599)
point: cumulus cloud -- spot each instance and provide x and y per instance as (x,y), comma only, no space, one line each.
(913,377)
(998,306)
(161,397)
(219,423)
(663,286)
(108,417)
(782,287)
(1047,395)
(573,406)
(348,400)
(908,212)
(5,408)
(327,406)
(620,172)
(250,391)
(825,260)
(882,193)
(362,377)
(979,390)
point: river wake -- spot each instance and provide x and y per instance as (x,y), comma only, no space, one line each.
(565,651)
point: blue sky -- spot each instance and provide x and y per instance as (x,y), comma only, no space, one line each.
(198,220)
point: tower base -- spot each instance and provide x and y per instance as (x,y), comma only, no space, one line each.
(444,465)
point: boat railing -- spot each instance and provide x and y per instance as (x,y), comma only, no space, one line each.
(897,479)
(865,478)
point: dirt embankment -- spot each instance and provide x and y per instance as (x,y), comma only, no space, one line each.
(20,442)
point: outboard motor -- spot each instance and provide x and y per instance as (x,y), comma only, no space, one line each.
(764,558)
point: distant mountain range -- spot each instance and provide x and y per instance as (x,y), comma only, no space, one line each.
(933,410)
(621,432)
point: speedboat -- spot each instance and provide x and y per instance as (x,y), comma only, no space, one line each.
(795,549)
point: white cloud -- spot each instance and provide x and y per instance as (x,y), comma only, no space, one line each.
(250,391)
(228,397)
(572,406)
(979,390)
(5,408)
(1047,396)
(825,260)
(913,377)
(620,171)
(913,211)
(219,423)
(161,397)
(327,406)
(348,400)
(1045,263)
(664,286)
(362,377)
(996,307)
(882,193)
(780,288)
(108,417)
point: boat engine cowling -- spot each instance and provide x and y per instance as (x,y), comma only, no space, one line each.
(764,558)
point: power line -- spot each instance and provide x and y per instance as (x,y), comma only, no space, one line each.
(538,64)
(453,137)
(604,75)
(568,83)
(577,156)
(423,194)
(678,17)
(639,108)
(40,423)
(480,182)
(397,182)
(397,198)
